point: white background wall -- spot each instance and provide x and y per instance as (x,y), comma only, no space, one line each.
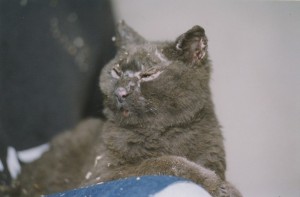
(255,48)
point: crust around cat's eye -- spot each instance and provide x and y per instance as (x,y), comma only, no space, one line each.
(150,76)
(116,72)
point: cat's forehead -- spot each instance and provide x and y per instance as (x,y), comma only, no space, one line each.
(142,56)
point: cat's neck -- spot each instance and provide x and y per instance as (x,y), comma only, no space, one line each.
(133,144)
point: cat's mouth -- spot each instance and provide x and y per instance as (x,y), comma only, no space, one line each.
(125,112)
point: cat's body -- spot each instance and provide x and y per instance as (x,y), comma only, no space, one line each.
(160,120)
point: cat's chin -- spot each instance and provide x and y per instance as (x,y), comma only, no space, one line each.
(125,113)
(117,114)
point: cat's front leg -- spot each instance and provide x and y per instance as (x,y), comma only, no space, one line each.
(176,166)
(181,167)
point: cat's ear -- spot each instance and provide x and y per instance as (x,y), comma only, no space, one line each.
(126,35)
(192,44)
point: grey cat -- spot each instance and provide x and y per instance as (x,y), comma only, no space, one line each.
(160,121)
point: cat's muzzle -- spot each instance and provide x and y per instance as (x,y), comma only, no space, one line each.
(121,94)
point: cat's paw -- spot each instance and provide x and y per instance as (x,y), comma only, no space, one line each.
(228,190)
(182,167)
(223,192)
(201,175)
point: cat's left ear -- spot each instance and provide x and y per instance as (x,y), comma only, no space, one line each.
(192,44)
(126,35)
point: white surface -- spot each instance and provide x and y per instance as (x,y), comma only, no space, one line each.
(13,164)
(1,166)
(25,156)
(32,154)
(182,189)
(255,48)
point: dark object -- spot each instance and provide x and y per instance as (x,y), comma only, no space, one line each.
(51,53)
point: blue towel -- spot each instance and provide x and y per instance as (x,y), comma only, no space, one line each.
(145,186)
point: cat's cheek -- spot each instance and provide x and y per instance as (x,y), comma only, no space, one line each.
(145,88)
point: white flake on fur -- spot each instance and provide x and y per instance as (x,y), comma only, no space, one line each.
(88,175)
(97,159)
(161,56)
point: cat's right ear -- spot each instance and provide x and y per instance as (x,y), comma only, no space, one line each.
(126,35)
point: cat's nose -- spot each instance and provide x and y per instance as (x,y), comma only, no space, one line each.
(121,94)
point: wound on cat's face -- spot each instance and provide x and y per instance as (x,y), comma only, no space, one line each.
(149,82)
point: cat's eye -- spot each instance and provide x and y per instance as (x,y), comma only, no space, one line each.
(145,75)
(151,74)
(116,72)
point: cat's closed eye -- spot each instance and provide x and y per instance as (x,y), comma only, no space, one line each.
(116,72)
(150,74)
(147,75)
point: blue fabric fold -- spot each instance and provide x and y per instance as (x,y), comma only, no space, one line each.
(143,186)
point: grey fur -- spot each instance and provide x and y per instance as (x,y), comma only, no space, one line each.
(160,120)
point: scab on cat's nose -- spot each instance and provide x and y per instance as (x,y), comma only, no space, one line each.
(121,94)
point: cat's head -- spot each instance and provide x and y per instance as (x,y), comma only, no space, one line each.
(156,84)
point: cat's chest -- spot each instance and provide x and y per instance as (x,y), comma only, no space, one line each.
(134,145)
